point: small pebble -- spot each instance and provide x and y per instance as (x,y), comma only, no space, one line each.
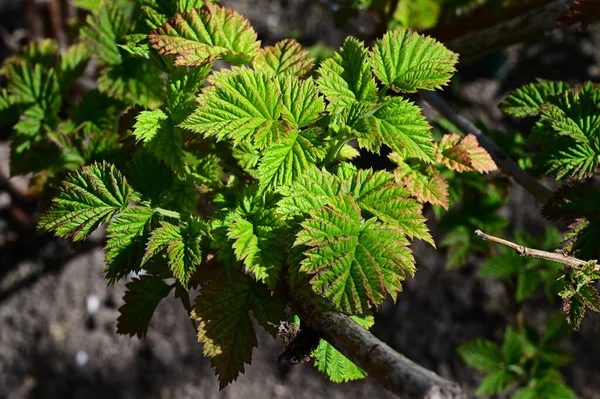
(93,303)
(81,358)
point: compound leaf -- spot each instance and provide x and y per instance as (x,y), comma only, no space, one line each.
(528,100)
(286,161)
(407,61)
(481,355)
(127,235)
(88,197)
(242,105)
(203,35)
(182,244)
(576,115)
(156,130)
(254,244)
(302,103)
(400,125)
(354,262)
(495,383)
(346,77)
(284,58)
(149,177)
(225,329)
(141,299)
(183,85)
(105,27)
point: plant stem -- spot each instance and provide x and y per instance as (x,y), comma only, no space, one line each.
(394,371)
(168,213)
(566,260)
(501,159)
(334,150)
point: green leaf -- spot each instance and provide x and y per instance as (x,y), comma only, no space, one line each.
(528,100)
(527,282)
(242,105)
(311,191)
(285,162)
(301,101)
(134,82)
(254,244)
(203,35)
(346,77)
(400,125)
(407,61)
(556,329)
(336,366)
(141,299)
(375,192)
(284,58)
(552,389)
(378,195)
(481,355)
(573,115)
(105,27)
(524,393)
(127,235)
(34,85)
(183,85)
(501,266)
(97,114)
(354,262)
(156,130)
(72,63)
(576,160)
(182,244)
(512,348)
(149,177)
(223,307)
(90,196)
(495,383)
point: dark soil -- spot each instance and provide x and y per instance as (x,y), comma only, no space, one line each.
(52,346)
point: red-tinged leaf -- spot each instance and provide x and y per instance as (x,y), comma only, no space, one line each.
(202,35)
(285,57)
(482,161)
(428,186)
(464,154)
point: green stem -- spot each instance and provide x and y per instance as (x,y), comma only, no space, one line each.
(334,150)
(168,213)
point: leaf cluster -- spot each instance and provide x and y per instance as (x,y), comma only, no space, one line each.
(525,364)
(235,182)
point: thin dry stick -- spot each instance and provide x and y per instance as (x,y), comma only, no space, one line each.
(568,261)
(504,162)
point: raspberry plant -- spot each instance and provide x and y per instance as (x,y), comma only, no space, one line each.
(225,172)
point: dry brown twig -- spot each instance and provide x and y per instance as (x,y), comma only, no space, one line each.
(558,256)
